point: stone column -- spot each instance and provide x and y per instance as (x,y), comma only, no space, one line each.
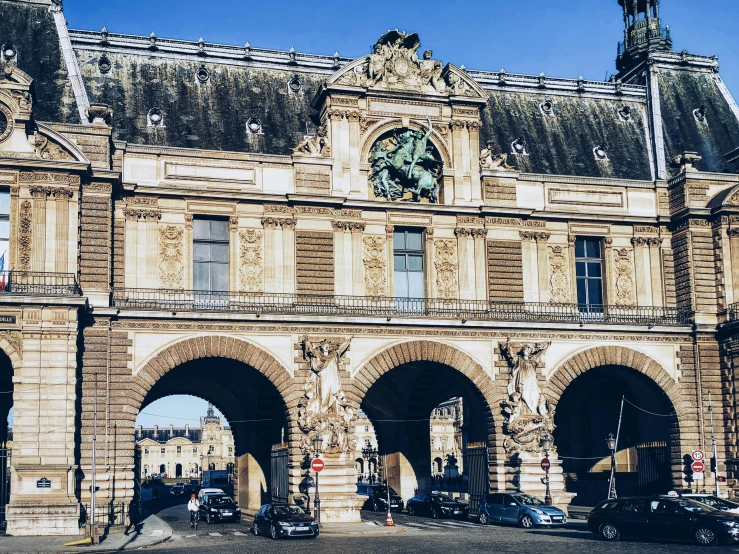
(38,249)
(542,262)
(609,289)
(481,265)
(61,197)
(131,247)
(357,259)
(733,234)
(429,270)
(188,261)
(340,270)
(288,256)
(530,267)
(233,253)
(656,271)
(475,180)
(643,284)
(466,288)
(573,267)
(353,125)
(270,238)
(390,260)
(459,138)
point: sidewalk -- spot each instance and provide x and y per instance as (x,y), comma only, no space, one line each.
(151,531)
(363,528)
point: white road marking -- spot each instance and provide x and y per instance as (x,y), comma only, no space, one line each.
(156,533)
(215,534)
(190,536)
(239,534)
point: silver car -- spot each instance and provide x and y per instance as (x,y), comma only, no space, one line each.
(718,503)
(523,509)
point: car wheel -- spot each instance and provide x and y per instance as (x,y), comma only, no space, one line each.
(254,530)
(375,507)
(273,532)
(526,522)
(411,512)
(434,513)
(705,536)
(483,518)
(208,519)
(610,532)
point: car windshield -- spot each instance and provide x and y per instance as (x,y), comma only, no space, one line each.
(441,498)
(289,510)
(383,491)
(714,502)
(220,500)
(527,500)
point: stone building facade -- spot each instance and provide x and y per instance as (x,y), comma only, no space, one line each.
(540,247)
(184,451)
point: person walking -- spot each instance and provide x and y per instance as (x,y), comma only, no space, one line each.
(134,516)
(193,506)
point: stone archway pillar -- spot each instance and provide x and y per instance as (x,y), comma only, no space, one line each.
(337,489)
(524,473)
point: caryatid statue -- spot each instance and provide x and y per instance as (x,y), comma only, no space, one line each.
(524,369)
(324,361)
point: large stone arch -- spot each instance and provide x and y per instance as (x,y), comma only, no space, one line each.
(621,356)
(487,389)
(11,351)
(212,346)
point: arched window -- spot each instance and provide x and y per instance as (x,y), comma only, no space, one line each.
(162,469)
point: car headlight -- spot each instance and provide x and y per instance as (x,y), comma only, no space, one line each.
(284,524)
(445,509)
(537,511)
(731,523)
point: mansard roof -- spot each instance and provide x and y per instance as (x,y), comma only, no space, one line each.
(207,93)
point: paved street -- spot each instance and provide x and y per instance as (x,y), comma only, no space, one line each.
(414,534)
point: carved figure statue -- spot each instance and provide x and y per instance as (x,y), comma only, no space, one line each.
(405,163)
(325,363)
(315,145)
(377,61)
(431,72)
(524,369)
(457,85)
(528,414)
(490,160)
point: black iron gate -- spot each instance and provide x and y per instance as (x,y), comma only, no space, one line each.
(280,479)
(477,470)
(5,455)
(653,467)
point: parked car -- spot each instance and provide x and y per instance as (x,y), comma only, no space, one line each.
(192,486)
(523,509)
(177,490)
(375,498)
(436,506)
(203,493)
(219,507)
(663,517)
(718,503)
(283,520)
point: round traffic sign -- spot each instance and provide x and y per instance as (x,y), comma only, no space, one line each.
(545,464)
(317,465)
(697,467)
(698,455)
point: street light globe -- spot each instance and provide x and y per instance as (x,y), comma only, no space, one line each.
(611,442)
(546,442)
(317,442)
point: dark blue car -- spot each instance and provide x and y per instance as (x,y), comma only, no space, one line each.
(523,509)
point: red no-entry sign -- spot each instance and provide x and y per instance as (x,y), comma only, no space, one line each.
(317,465)
(545,465)
(698,467)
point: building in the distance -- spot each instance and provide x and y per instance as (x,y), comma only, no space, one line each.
(185,451)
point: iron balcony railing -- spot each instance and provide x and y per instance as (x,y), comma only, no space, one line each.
(38,283)
(643,35)
(390,307)
(734,311)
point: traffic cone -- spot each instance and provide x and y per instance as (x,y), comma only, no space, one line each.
(389,520)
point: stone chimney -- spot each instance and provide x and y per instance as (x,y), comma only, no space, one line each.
(171,431)
(187,430)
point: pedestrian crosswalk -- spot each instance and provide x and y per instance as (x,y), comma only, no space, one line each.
(437,524)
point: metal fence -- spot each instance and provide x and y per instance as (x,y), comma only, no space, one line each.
(5,457)
(280,473)
(38,283)
(477,469)
(734,312)
(107,514)
(393,307)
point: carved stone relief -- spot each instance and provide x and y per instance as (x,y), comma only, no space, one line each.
(324,408)
(251,269)
(624,278)
(15,338)
(375,266)
(171,268)
(559,280)
(24,236)
(445,263)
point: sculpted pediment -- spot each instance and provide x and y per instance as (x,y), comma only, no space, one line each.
(395,65)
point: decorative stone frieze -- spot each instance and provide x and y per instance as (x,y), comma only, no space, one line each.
(624,277)
(251,268)
(171,266)
(559,275)
(25,235)
(375,266)
(446,266)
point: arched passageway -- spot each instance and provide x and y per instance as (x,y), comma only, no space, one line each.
(252,406)
(588,411)
(6,395)
(400,404)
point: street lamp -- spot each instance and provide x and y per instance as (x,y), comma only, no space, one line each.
(317,443)
(369,452)
(611,442)
(546,446)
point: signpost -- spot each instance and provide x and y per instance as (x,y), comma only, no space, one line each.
(545,464)
(698,467)
(317,465)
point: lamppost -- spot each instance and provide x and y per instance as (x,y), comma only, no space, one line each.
(369,452)
(611,442)
(317,443)
(546,446)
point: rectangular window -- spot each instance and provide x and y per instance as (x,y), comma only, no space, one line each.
(179,450)
(408,263)
(210,255)
(194,449)
(589,270)
(4,228)
(164,450)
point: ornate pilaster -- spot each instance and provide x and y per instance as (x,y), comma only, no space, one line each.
(375,266)
(623,277)
(251,265)
(643,282)
(656,271)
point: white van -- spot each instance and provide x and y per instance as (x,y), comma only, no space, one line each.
(205,492)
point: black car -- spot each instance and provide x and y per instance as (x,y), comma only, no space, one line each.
(663,517)
(436,506)
(219,507)
(283,520)
(377,498)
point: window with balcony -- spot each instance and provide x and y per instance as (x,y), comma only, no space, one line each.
(210,255)
(589,270)
(408,262)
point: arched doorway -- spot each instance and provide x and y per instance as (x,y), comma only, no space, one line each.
(588,411)
(400,404)
(162,469)
(178,470)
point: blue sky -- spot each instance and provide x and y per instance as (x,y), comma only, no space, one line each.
(564,39)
